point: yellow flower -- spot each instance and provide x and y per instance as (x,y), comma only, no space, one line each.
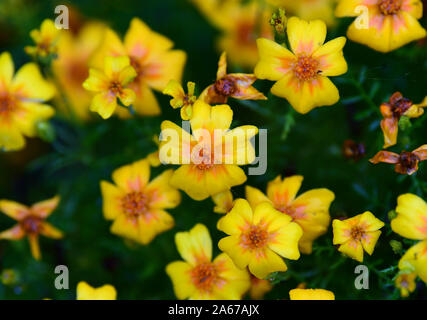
(356,234)
(411,223)
(302,75)
(406,283)
(151,56)
(45,40)
(259,238)
(111,84)
(223,201)
(181,99)
(31,222)
(309,9)
(71,67)
(390,24)
(311,294)
(210,157)
(240,23)
(138,205)
(310,209)
(86,292)
(199,277)
(259,287)
(234,85)
(21,102)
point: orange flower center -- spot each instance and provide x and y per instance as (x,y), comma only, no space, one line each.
(135,204)
(31,224)
(389,7)
(357,233)
(206,162)
(7,104)
(306,68)
(115,88)
(255,238)
(204,276)
(225,87)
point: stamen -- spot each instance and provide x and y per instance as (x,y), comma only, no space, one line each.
(205,276)
(115,88)
(357,233)
(306,68)
(255,238)
(389,7)
(6,104)
(225,87)
(206,162)
(408,160)
(31,224)
(135,204)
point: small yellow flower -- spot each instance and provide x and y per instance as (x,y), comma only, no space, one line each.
(71,67)
(302,75)
(311,294)
(406,283)
(138,205)
(259,287)
(151,56)
(310,209)
(223,202)
(309,9)
(181,99)
(411,223)
(111,84)
(22,98)
(259,238)
(86,292)
(31,222)
(210,156)
(390,24)
(357,234)
(234,85)
(199,277)
(45,39)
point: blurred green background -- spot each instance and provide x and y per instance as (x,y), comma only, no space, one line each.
(310,145)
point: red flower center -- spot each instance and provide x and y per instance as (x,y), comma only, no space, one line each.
(135,204)
(357,233)
(204,276)
(389,7)
(31,224)
(225,87)
(255,238)
(306,68)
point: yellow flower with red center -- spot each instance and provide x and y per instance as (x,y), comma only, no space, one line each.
(311,294)
(86,292)
(309,9)
(21,102)
(71,67)
(211,155)
(405,162)
(302,75)
(223,201)
(405,282)
(234,85)
(137,205)
(241,24)
(45,39)
(110,85)
(390,24)
(151,56)
(199,277)
(393,110)
(310,209)
(259,238)
(259,287)
(411,223)
(31,222)
(181,99)
(356,234)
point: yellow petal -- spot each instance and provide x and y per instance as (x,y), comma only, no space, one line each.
(161,194)
(50,231)
(255,196)
(347,8)
(10,137)
(179,272)
(305,37)
(113,66)
(145,103)
(44,208)
(14,233)
(239,217)
(86,292)
(353,249)
(96,82)
(34,245)
(126,75)
(262,265)
(285,241)
(132,177)
(30,114)
(30,83)
(238,147)
(6,69)
(411,220)
(341,231)
(223,202)
(111,45)
(233,248)
(13,209)
(370,222)
(331,57)
(127,97)
(111,200)
(417,257)
(104,104)
(175,90)
(283,192)
(369,241)
(194,245)
(210,118)
(311,294)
